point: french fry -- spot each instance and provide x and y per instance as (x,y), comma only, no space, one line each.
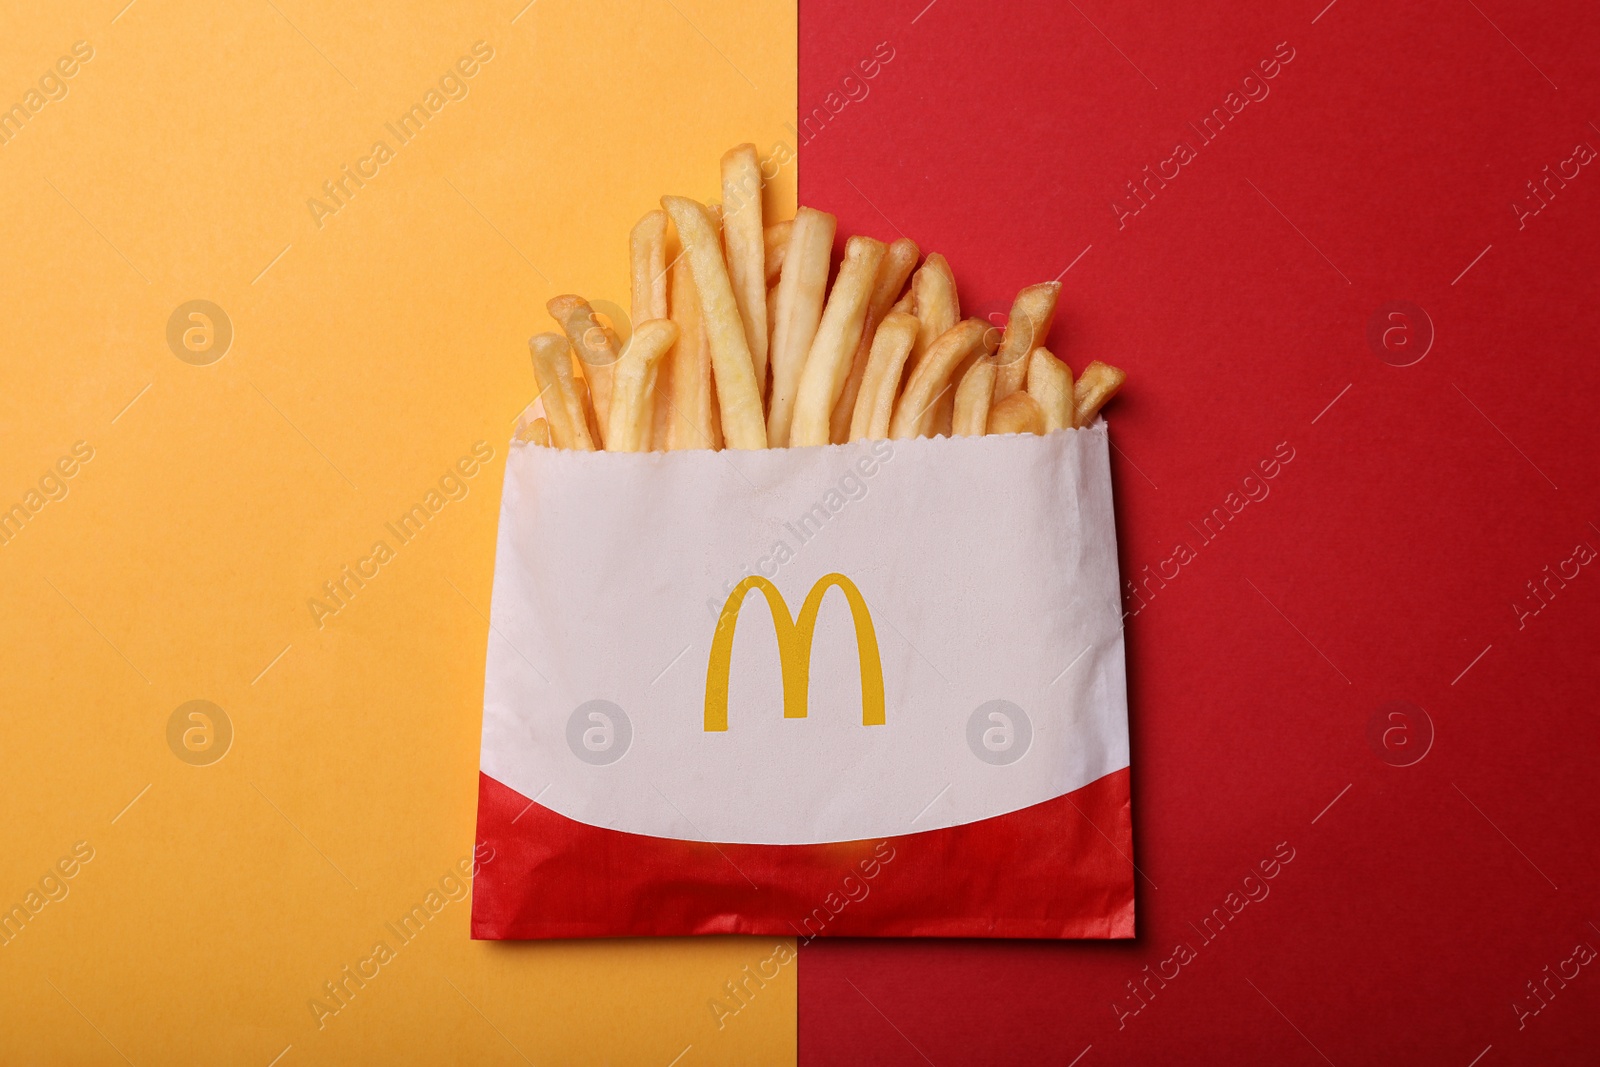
(691,405)
(1017,413)
(932,376)
(595,344)
(647,259)
(973,398)
(833,347)
(1098,383)
(586,406)
(938,308)
(776,240)
(941,422)
(885,363)
(659,437)
(933,290)
(891,278)
(1031,316)
(744,244)
(633,383)
(538,433)
(798,311)
(737,393)
(552,369)
(1050,383)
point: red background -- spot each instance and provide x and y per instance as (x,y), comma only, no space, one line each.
(1386,558)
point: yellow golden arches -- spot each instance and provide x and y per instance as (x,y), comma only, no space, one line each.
(794,649)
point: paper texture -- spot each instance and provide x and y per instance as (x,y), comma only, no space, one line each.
(986,566)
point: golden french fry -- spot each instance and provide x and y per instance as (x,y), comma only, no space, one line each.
(593,341)
(828,363)
(659,439)
(1031,315)
(938,308)
(586,407)
(973,398)
(731,362)
(776,240)
(691,405)
(538,433)
(906,304)
(1017,413)
(941,423)
(1050,383)
(647,258)
(891,344)
(798,304)
(633,384)
(933,292)
(931,377)
(891,278)
(552,369)
(1098,383)
(744,244)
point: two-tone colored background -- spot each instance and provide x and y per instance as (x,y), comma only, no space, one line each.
(1443,872)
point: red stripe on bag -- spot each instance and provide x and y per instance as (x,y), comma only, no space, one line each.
(552,877)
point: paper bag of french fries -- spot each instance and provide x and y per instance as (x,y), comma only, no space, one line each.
(806,622)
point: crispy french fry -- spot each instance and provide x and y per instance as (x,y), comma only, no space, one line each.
(1050,383)
(659,437)
(731,362)
(973,398)
(647,259)
(1098,383)
(933,291)
(838,334)
(881,382)
(1017,413)
(1031,316)
(538,433)
(744,244)
(552,369)
(907,304)
(633,383)
(594,342)
(776,239)
(797,312)
(941,423)
(586,406)
(891,278)
(691,405)
(931,378)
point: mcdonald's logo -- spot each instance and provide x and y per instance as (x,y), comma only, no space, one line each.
(794,649)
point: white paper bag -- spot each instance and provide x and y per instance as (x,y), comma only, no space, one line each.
(654,676)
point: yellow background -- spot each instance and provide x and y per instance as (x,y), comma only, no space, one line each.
(368,356)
